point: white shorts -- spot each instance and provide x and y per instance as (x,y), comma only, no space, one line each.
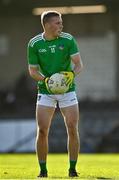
(63,100)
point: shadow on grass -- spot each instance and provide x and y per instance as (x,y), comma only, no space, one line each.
(81,178)
(103,178)
(54,177)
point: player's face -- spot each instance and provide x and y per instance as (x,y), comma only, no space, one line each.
(55,26)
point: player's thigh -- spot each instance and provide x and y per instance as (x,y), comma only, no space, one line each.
(44,115)
(71,115)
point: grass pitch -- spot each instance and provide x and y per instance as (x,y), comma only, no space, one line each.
(90,166)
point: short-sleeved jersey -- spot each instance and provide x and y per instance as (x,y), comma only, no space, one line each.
(52,56)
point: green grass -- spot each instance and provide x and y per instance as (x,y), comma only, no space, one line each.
(90,166)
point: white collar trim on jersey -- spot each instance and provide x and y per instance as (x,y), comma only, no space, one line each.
(43,36)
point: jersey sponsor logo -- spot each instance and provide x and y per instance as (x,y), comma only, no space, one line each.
(42,50)
(52,48)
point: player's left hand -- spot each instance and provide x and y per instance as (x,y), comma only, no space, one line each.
(46,82)
(69,75)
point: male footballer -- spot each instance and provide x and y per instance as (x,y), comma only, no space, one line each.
(52,52)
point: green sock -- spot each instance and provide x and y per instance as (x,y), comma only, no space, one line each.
(43,166)
(72,164)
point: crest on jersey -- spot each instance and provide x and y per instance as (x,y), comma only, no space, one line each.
(61,46)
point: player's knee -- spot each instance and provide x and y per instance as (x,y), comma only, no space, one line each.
(72,129)
(42,132)
(72,132)
(71,124)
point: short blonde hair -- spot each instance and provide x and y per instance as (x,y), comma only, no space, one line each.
(47,15)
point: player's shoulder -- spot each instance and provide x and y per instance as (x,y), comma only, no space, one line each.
(66,36)
(35,39)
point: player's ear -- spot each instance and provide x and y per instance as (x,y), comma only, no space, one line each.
(47,25)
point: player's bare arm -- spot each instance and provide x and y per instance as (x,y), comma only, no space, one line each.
(78,65)
(34,73)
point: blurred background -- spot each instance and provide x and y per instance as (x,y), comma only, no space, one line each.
(95,25)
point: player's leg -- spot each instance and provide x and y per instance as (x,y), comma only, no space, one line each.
(70,113)
(43,116)
(71,117)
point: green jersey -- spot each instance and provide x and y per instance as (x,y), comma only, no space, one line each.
(52,56)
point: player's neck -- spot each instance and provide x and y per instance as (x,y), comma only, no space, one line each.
(49,36)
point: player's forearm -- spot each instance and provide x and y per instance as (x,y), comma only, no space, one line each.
(78,67)
(36,76)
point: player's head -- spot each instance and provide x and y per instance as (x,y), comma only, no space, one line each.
(52,22)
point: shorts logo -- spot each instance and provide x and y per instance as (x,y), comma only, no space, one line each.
(39,97)
(73,99)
